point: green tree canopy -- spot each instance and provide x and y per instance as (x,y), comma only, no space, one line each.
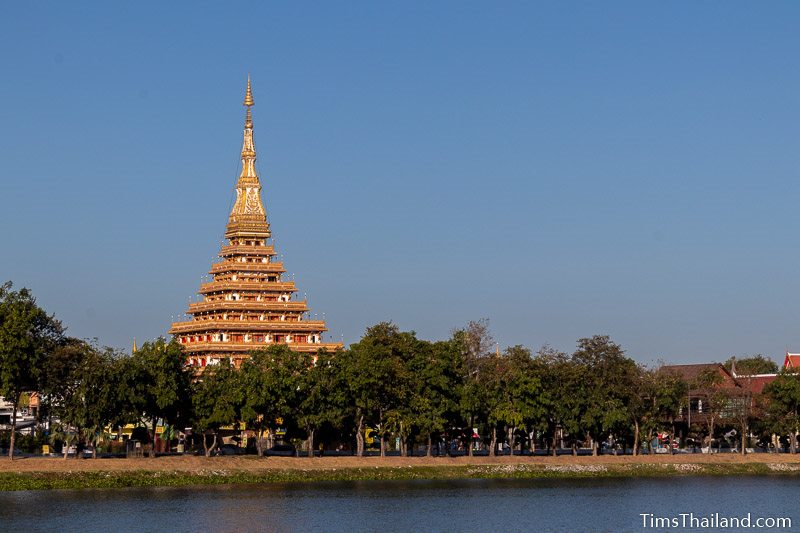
(27,335)
(378,379)
(216,401)
(783,406)
(610,379)
(752,364)
(156,384)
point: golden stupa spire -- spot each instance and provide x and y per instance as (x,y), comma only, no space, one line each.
(248,101)
(135,349)
(248,211)
(248,96)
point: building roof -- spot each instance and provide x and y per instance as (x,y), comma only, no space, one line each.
(756,383)
(690,373)
(752,383)
(792,360)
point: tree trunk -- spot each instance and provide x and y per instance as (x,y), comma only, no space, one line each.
(511,440)
(635,438)
(793,443)
(710,433)
(555,445)
(213,444)
(153,447)
(360,437)
(672,439)
(493,447)
(744,440)
(574,449)
(429,452)
(311,442)
(471,425)
(594,448)
(13,426)
(260,442)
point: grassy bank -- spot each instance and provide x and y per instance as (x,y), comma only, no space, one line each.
(10,481)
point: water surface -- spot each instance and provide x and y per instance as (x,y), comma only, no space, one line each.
(451,505)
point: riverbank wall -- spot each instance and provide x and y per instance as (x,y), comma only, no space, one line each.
(52,473)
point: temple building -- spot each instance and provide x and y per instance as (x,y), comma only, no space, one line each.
(248,305)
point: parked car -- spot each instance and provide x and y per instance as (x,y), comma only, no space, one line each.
(229,449)
(4,452)
(286,450)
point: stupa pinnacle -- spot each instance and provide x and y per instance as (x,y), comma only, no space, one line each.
(247,306)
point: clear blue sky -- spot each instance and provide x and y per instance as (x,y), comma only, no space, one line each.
(565,170)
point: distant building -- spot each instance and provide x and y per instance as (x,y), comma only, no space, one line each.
(26,421)
(698,396)
(742,391)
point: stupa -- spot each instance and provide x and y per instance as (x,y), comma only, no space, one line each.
(247,306)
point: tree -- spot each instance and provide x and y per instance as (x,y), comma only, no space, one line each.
(437,374)
(716,399)
(475,342)
(610,377)
(281,375)
(27,335)
(658,397)
(511,393)
(59,372)
(640,406)
(741,405)
(751,365)
(783,406)
(162,382)
(378,379)
(216,402)
(563,397)
(256,399)
(322,396)
(80,384)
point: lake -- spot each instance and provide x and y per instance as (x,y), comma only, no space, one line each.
(462,505)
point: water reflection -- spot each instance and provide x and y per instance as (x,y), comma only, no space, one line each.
(465,505)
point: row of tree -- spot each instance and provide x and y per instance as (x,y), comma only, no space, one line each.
(390,382)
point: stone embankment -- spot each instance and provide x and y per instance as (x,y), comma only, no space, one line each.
(53,473)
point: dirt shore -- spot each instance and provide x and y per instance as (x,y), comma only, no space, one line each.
(193,464)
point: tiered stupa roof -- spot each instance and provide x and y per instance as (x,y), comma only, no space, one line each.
(247,306)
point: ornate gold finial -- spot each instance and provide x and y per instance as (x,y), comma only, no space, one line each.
(248,96)
(248,211)
(134,345)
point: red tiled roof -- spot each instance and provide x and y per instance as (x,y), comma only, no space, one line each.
(792,360)
(690,373)
(755,384)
